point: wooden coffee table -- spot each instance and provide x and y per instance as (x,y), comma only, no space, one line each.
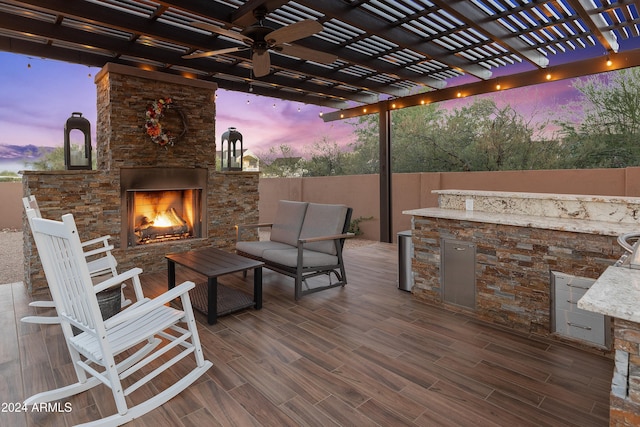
(212,262)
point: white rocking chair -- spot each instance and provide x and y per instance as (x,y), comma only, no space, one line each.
(99,353)
(101,263)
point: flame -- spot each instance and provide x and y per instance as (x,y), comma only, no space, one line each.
(165,219)
(162,219)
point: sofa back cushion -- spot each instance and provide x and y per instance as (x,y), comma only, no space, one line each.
(323,220)
(288,222)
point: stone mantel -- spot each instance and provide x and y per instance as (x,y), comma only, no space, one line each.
(156,76)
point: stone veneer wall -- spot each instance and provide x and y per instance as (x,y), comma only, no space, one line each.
(513,266)
(123,94)
(625,398)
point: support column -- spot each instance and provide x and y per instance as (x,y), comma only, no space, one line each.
(385,173)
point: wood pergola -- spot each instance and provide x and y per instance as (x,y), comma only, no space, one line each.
(384,54)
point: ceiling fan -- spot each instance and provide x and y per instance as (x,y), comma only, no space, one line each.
(260,39)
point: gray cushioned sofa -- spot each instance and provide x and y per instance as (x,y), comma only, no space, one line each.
(306,240)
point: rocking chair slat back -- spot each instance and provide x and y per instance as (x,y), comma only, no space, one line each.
(66,269)
(100,261)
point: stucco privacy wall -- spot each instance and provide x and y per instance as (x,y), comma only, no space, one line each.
(11,208)
(123,94)
(414,190)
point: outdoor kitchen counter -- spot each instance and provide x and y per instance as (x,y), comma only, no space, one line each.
(587,226)
(520,243)
(615,293)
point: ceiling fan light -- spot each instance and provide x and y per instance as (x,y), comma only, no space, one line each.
(261,63)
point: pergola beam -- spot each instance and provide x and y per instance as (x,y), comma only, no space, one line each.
(138,26)
(596,23)
(528,78)
(371,25)
(464,11)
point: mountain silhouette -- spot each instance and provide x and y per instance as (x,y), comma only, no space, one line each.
(14,158)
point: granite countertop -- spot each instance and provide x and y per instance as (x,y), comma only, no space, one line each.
(539,196)
(616,293)
(562,224)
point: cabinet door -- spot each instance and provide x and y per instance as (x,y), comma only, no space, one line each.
(459,273)
(567,319)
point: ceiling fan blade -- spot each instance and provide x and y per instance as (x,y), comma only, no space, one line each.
(214,52)
(293,32)
(307,54)
(261,63)
(222,31)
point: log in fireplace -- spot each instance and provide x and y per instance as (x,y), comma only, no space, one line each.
(160,205)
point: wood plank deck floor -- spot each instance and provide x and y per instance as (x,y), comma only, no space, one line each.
(364,355)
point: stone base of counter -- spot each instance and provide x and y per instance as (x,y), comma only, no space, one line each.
(625,390)
(513,266)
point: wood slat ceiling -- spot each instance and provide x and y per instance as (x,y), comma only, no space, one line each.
(384,48)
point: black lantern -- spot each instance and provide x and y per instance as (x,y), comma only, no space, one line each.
(231,154)
(75,157)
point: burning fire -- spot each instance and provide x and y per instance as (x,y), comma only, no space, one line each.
(156,219)
(166,219)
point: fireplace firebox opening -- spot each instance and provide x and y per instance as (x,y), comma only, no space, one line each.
(164,215)
(162,205)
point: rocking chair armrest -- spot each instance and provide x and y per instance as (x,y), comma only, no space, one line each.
(117,280)
(322,238)
(139,309)
(98,251)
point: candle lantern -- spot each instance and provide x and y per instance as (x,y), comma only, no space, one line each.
(231,150)
(77,156)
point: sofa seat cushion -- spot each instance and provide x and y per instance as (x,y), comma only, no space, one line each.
(289,257)
(323,220)
(288,222)
(257,248)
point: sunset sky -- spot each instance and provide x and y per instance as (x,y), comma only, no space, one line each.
(37,96)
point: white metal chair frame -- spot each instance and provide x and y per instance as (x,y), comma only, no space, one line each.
(101,263)
(99,352)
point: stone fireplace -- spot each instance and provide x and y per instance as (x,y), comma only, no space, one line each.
(133,172)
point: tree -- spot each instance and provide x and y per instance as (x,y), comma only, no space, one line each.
(280,162)
(326,158)
(364,156)
(601,128)
(8,176)
(53,160)
(504,141)
(413,137)
(478,136)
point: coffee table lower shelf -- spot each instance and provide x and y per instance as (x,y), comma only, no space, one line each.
(212,263)
(229,300)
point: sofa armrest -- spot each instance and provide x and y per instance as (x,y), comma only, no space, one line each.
(322,238)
